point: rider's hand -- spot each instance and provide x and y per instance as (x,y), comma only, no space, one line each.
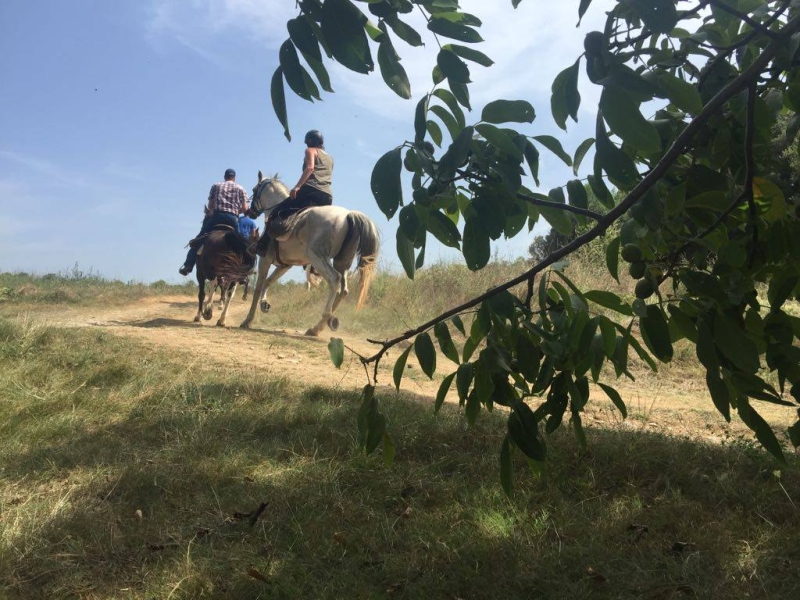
(294,191)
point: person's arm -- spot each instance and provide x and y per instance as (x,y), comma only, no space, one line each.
(244,208)
(308,170)
(211,199)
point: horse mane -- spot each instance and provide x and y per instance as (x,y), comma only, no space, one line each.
(276,181)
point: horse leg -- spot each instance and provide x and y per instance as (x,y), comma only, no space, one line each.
(334,280)
(228,291)
(246,287)
(201,294)
(208,310)
(264,263)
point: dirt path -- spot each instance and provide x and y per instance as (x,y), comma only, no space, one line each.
(166,322)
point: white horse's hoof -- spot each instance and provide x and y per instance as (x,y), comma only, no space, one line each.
(207,314)
(265,306)
(333,323)
(220,324)
(312,333)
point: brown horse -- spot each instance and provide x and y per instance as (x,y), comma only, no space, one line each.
(225,259)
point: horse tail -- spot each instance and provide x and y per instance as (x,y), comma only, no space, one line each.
(368,246)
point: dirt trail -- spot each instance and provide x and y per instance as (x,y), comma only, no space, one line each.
(166,322)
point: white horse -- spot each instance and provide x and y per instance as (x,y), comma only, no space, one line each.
(327,237)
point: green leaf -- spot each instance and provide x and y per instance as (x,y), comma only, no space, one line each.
(441,394)
(375,434)
(392,71)
(532,158)
(580,153)
(343,28)
(296,76)
(303,37)
(506,470)
(421,119)
(400,368)
(609,336)
(681,93)
(475,245)
(461,93)
(623,117)
(470,54)
(565,99)
(584,5)
(612,258)
(763,431)
(734,345)
(456,154)
(404,31)
(435,132)
(655,333)
(443,229)
(720,394)
(528,358)
(464,375)
(279,101)
(446,342)
(452,66)
(458,324)
(336,350)
(577,194)
(552,144)
(454,31)
(609,300)
(446,118)
(505,111)
(499,139)
(385,182)
(426,354)
(405,252)
(447,97)
(618,165)
(524,431)
(660,16)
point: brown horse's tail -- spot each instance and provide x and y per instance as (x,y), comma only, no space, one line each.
(367,249)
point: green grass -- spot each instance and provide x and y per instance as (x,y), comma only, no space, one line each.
(127,474)
(79,287)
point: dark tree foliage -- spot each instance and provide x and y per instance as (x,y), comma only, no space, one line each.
(706,212)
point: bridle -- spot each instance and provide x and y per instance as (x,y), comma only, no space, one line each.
(255,205)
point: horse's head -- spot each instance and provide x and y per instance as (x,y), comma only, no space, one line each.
(268,192)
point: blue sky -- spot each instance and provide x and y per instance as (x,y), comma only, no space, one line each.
(118,116)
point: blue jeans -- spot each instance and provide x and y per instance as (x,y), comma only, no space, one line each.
(211,221)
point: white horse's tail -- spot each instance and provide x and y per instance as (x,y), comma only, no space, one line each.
(366,244)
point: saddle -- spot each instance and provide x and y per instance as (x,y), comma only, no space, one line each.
(234,238)
(279,227)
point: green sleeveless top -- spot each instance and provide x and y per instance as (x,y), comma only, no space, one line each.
(323,170)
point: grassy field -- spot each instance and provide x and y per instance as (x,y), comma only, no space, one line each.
(128,473)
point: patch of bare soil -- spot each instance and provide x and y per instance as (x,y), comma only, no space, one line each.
(681,408)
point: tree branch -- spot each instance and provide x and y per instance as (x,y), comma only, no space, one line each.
(742,82)
(565,207)
(745,18)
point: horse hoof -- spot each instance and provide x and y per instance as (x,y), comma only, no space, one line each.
(245,325)
(265,306)
(197,319)
(220,324)
(312,333)
(333,323)
(207,314)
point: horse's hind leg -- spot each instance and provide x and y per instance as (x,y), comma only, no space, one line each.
(201,294)
(334,279)
(228,290)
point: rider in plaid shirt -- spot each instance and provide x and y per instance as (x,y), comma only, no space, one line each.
(226,200)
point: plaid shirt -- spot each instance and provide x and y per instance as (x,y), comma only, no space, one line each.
(227,196)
